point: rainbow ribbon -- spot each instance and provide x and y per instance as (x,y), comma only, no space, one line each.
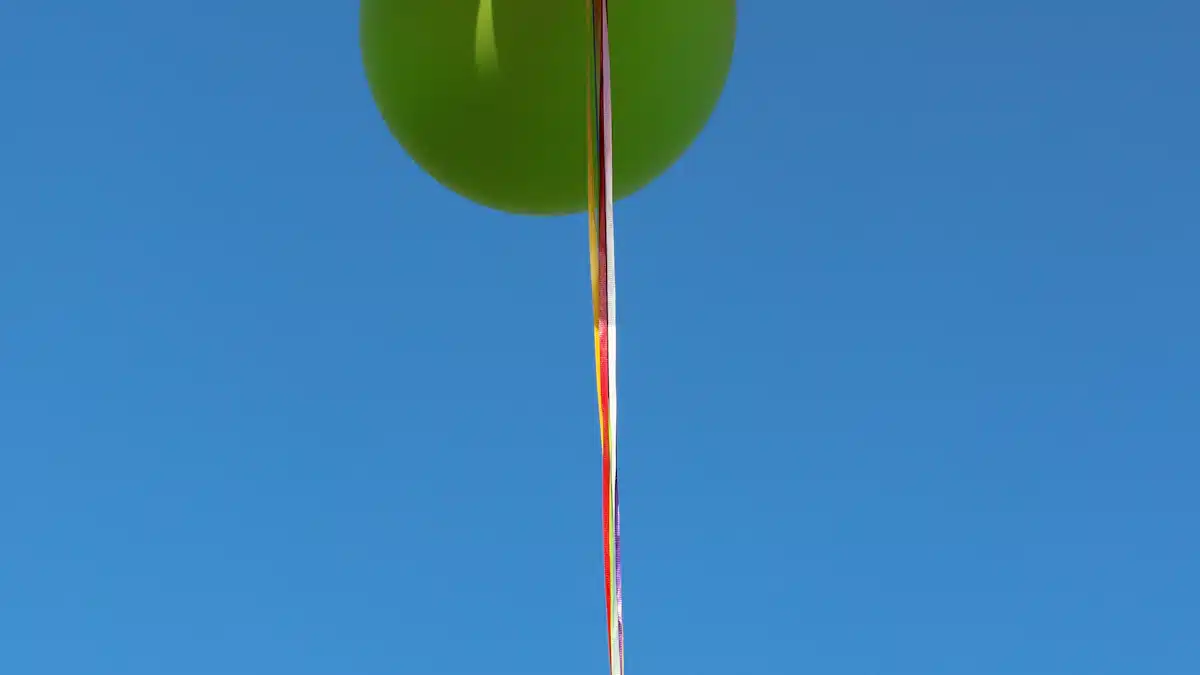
(604,300)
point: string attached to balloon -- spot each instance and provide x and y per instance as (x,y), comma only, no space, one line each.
(604,298)
(496,119)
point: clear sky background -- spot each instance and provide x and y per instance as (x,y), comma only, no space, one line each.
(910,361)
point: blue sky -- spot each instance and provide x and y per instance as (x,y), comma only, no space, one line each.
(910,359)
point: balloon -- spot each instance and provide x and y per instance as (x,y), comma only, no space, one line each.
(491,96)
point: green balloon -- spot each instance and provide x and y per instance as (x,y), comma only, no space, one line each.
(490,96)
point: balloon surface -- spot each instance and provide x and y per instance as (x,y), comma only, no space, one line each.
(491,96)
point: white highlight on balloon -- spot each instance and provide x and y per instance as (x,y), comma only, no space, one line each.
(487,60)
